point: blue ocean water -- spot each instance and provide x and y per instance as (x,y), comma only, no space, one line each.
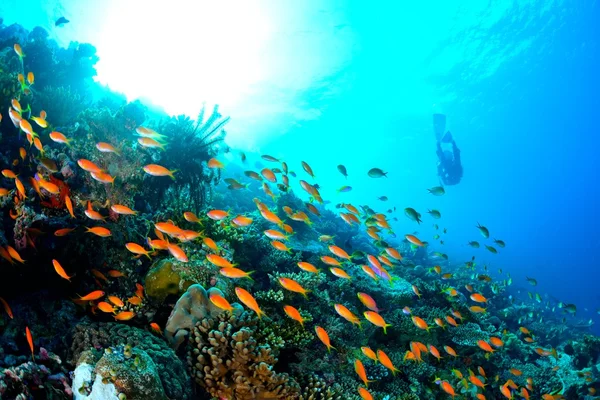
(356,84)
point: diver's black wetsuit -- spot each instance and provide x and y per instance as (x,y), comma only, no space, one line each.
(449,171)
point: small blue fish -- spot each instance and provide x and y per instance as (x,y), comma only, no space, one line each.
(345,189)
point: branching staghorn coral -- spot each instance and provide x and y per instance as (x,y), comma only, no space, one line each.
(230,360)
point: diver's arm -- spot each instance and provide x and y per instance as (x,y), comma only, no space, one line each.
(456,152)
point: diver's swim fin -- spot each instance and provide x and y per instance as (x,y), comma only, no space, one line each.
(447,138)
(439,125)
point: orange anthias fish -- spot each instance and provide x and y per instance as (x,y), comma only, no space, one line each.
(99,231)
(156,328)
(485,346)
(365,394)
(434,351)
(88,166)
(479,298)
(191,217)
(339,252)
(292,286)
(330,261)
(308,169)
(60,270)
(220,302)
(19,52)
(294,314)
(116,301)
(268,175)
(135,300)
(249,301)
(69,205)
(92,214)
(271,217)
(151,143)
(420,323)
(308,267)
(368,301)
(6,308)
(106,148)
(14,254)
(447,387)
(235,273)
(280,246)
(414,240)
(386,362)
(367,351)
(137,249)
(217,215)
(106,307)
(63,231)
(214,163)
(60,138)
(324,337)
(175,251)
(242,221)
(113,273)
(124,316)
(376,320)
(211,244)
(416,291)
(393,253)
(30,341)
(219,261)
(340,273)
(159,170)
(477,309)
(360,371)
(95,295)
(450,351)
(275,234)
(505,390)
(347,314)
(123,210)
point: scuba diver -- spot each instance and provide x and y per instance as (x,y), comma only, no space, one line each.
(449,167)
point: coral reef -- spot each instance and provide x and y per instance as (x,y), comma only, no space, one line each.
(192,307)
(229,361)
(118,372)
(100,336)
(22,381)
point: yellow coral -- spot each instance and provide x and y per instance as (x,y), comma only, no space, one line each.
(163,280)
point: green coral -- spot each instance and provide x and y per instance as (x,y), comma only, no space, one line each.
(468,334)
(315,388)
(100,335)
(132,372)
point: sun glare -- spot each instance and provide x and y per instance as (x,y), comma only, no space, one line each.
(179,54)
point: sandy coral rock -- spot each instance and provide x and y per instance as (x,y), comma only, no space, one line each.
(193,306)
